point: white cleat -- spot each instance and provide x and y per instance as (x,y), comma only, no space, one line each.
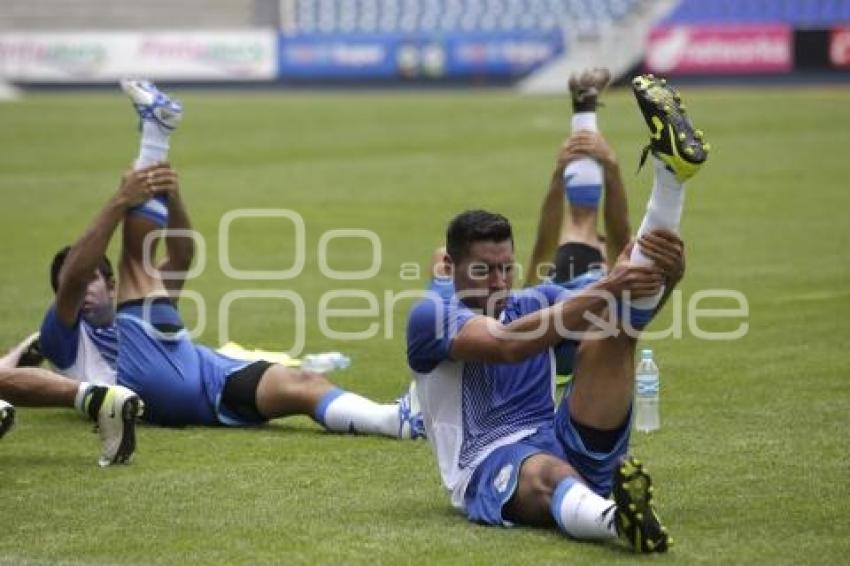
(410,423)
(152,104)
(116,424)
(7,417)
(13,358)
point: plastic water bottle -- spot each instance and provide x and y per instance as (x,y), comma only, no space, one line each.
(325,362)
(647,385)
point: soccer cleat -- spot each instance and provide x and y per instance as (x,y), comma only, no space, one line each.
(636,520)
(25,354)
(116,424)
(153,104)
(31,356)
(673,139)
(7,417)
(410,423)
(586,87)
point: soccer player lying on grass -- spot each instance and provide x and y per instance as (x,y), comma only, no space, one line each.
(113,408)
(484,361)
(180,382)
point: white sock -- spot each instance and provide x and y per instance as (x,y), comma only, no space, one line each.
(583,177)
(584,121)
(663,211)
(342,411)
(80,398)
(581,513)
(154,144)
(153,148)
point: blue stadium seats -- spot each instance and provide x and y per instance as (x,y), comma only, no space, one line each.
(798,13)
(449,16)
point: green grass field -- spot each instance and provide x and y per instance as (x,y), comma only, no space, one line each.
(751,462)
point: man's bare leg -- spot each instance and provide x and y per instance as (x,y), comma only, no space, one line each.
(538,478)
(33,387)
(159,116)
(135,281)
(114,408)
(603,382)
(286,391)
(550,491)
(583,178)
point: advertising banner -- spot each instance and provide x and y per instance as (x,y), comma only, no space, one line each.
(91,57)
(839,48)
(743,49)
(338,56)
(389,56)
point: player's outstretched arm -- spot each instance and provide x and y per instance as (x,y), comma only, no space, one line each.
(616,211)
(485,339)
(180,249)
(550,226)
(85,255)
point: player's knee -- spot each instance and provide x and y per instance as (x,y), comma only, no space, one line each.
(543,473)
(299,382)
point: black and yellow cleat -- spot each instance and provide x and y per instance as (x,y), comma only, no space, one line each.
(672,137)
(635,517)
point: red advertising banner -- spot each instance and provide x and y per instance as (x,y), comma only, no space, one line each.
(720,49)
(839,48)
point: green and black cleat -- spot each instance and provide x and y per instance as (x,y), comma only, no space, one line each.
(672,137)
(636,520)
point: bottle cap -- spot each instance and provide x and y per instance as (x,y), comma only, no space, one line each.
(646,354)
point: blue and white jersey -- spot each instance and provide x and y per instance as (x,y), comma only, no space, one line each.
(82,351)
(472,408)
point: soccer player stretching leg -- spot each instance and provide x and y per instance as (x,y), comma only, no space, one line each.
(484,363)
(181,382)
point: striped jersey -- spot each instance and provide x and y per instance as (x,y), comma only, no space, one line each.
(82,351)
(472,408)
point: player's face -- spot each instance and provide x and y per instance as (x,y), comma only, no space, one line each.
(98,308)
(483,278)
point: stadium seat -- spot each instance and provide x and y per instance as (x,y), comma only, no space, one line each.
(588,17)
(797,13)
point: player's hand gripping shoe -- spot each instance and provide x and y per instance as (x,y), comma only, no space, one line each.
(672,137)
(7,417)
(153,104)
(636,520)
(116,424)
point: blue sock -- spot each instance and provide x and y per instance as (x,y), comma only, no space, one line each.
(324,403)
(155,210)
(558,499)
(581,513)
(639,318)
(583,183)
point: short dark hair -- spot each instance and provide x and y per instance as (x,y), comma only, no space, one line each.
(475,226)
(105,267)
